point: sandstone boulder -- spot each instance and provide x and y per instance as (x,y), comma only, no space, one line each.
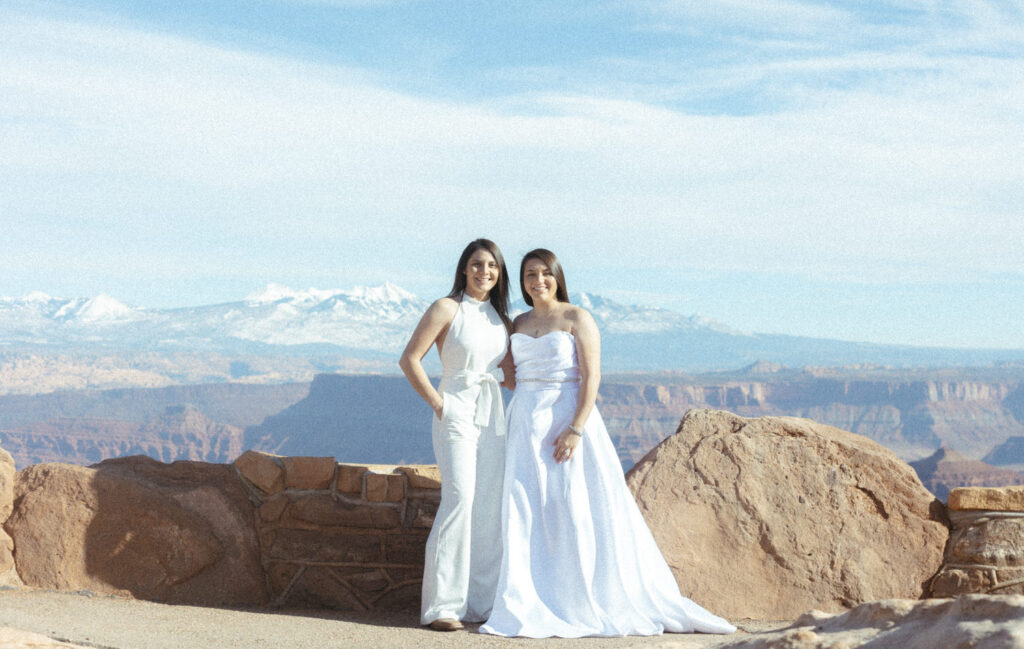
(970,621)
(181,532)
(6,485)
(8,575)
(773,516)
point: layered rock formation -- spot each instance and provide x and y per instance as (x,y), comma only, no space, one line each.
(1009,454)
(972,621)
(380,419)
(804,515)
(198,422)
(947,469)
(32,373)
(179,433)
(910,417)
(375,419)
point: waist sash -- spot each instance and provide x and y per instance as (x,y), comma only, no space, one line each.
(490,394)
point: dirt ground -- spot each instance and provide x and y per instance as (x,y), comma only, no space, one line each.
(91,620)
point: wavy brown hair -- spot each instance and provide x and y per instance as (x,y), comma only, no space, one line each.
(549,259)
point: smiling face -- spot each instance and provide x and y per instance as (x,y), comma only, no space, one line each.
(539,281)
(482,273)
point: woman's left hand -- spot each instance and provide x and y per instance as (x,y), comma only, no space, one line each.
(566,445)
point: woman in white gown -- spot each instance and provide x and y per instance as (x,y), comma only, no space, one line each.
(578,557)
(470,329)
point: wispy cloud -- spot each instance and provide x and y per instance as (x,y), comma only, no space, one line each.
(766,16)
(161,153)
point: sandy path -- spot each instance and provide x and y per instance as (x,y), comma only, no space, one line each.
(118,623)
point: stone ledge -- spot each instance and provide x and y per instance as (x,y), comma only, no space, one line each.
(999,499)
(422,476)
(263,470)
(308,472)
(340,534)
(350,475)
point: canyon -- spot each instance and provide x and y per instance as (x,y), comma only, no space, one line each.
(379,419)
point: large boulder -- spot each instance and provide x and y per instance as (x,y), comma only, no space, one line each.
(6,485)
(181,532)
(8,575)
(773,516)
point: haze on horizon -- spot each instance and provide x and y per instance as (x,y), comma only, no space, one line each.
(826,169)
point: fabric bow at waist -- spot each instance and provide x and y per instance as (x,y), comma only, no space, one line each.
(490,394)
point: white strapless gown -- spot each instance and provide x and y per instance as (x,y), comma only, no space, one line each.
(578,557)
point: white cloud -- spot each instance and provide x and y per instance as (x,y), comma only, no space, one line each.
(919,169)
(771,16)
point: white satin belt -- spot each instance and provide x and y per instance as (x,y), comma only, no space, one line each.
(490,394)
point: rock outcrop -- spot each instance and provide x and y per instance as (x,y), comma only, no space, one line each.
(971,621)
(178,533)
(181,422)
(947,469)
(1009,454)
(375,419)
(911,417)
(801,514)
(179,433)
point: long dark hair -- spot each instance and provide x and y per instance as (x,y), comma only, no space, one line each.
(499,294)
(551,261)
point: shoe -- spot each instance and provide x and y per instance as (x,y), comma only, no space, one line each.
(446,624)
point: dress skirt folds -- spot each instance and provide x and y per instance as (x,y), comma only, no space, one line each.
(578,557)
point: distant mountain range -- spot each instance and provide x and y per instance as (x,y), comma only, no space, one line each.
(374,324)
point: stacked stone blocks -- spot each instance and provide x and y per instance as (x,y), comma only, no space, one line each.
(985,553)
(341,535)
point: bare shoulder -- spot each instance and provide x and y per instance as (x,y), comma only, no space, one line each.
(577,315)
(444,306)
(520,320)
(441,311)
(579,319)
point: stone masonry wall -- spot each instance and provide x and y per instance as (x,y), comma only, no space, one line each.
(985,553)
(338,535)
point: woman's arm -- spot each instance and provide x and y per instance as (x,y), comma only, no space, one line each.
(508,364)
(429,330)
(508,368)
(588,353)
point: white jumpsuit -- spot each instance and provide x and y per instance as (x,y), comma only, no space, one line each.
(463,556)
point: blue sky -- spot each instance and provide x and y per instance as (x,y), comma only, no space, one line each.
(837,169)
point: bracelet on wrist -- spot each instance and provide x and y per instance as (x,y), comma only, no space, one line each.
(575,430)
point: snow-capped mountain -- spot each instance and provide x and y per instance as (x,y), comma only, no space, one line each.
(615,318)
(371,318)
(374,323)
(378,318)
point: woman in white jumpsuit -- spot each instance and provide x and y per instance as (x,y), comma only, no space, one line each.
(471,330)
